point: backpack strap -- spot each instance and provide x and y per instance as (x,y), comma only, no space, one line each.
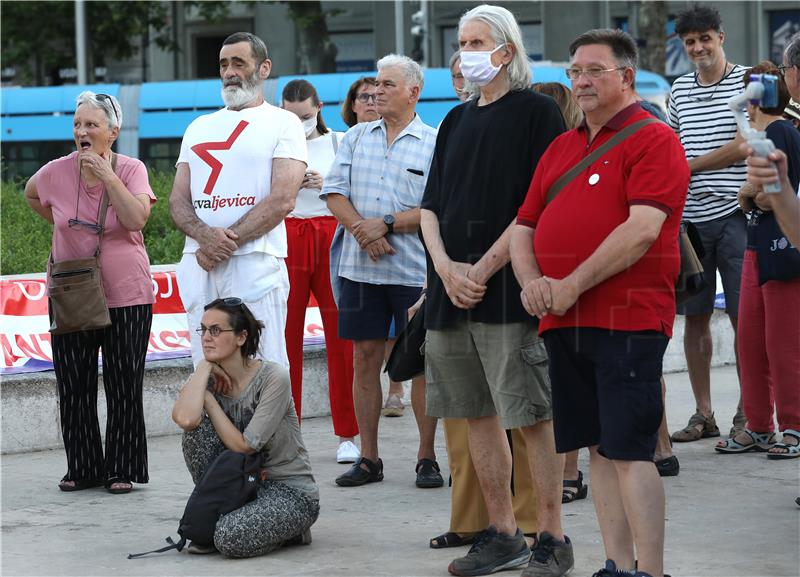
(570,175)
(335,142)
(172,545)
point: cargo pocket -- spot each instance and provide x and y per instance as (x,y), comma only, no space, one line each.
(640,393)
(537,377)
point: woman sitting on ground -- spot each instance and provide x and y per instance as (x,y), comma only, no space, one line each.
(234,401)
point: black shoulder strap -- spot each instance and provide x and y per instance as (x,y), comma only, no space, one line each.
(172,545)
(568,176)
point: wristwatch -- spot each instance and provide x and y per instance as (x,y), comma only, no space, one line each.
(388,220)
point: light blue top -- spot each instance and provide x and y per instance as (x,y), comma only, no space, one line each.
(375,178)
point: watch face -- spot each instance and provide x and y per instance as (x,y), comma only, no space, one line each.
(388,219)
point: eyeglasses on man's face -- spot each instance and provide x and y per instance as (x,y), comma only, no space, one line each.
(365,97)
(575,73)
(213,330)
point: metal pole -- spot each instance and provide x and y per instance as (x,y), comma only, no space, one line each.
(399,28)
(80,41)
(426,33)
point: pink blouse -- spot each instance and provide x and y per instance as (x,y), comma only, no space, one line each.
(123,259)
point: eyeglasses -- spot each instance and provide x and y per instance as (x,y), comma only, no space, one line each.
(784,67)
(213,330)
(77,224)
(364,97)
(575,73)
(102,97)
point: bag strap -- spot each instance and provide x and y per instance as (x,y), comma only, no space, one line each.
(172,545)
(568,176)
(335,142)
(355,147)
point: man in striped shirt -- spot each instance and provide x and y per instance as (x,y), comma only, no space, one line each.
(699,113)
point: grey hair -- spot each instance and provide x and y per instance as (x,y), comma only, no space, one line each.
(411,70)
(793,50)
(257,46)
(504,30)
(453,59)
(106,103)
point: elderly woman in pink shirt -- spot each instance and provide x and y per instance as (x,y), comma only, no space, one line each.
(67,192)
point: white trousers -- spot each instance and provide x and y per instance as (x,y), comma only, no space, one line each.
(259,279)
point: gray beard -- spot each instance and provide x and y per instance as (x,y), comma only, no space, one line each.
(237,97)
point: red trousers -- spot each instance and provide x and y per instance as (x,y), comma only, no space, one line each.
(309,272)
(768,343)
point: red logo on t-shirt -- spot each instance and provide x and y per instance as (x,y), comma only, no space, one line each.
(202,150)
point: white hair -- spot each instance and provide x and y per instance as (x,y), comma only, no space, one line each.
(411,70)
(504,30)
(104,102)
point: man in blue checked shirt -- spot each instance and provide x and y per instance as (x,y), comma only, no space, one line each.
(374,189)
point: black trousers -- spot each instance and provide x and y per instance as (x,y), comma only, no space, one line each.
(75,356)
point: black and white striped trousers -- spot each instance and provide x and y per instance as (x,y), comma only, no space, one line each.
(75,355)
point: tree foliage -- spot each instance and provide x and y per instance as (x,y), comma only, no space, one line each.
(316,51)
(38,38)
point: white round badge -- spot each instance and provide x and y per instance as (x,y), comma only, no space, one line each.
(594,179)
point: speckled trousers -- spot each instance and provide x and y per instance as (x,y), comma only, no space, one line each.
(124,346)
(278,513)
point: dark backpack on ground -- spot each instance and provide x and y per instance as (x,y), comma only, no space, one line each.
(230,482)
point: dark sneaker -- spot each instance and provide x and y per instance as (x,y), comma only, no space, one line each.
(358,475)
(610,570)
(550,558)
(492,552)
(428,474)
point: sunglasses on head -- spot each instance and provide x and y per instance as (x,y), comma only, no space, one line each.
(104,97)
(227,301)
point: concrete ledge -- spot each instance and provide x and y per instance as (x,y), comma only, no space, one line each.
(30,419)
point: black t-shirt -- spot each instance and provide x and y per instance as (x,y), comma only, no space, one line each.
(786,138)
(482,167)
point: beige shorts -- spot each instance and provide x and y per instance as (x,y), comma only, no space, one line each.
(481,369)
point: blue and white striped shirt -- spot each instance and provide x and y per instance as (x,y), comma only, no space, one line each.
(377,180)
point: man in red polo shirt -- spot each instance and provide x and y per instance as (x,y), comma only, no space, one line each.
(598,266)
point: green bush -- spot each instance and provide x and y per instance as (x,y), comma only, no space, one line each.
(25,237)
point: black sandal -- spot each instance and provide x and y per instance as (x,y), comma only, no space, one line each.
(79,485)
(580,492)
(450,539)
(119,481)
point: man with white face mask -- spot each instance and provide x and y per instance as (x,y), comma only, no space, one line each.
(484,360)
(237,178)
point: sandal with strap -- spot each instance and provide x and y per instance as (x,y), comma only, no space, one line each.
(78,485)
(699,427)
(580,490)
(124,485)
(758,442)
(450,539)
(787,450)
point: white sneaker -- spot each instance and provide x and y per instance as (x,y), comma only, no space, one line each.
(347,452)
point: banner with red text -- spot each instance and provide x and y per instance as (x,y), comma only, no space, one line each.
(24,323)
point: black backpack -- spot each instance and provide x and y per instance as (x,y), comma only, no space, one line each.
(230,482)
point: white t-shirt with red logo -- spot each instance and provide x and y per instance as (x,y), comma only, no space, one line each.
(230,155)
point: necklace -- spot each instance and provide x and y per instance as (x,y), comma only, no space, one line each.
(706,98)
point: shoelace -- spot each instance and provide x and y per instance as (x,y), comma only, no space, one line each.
(480,542)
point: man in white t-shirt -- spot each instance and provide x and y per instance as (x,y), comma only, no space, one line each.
(237,178)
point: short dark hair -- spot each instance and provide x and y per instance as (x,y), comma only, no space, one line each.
(697,18)
(767,67)
(622,45)
(348,115)
(241,319)
(300,90)
(257,47)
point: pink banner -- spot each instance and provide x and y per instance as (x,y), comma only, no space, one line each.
(25,339)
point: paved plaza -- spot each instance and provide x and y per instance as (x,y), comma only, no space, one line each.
(727,515)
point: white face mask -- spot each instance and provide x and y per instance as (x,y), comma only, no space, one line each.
(477,67)
(310,126)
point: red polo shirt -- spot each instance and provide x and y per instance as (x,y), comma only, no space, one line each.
(649,168)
